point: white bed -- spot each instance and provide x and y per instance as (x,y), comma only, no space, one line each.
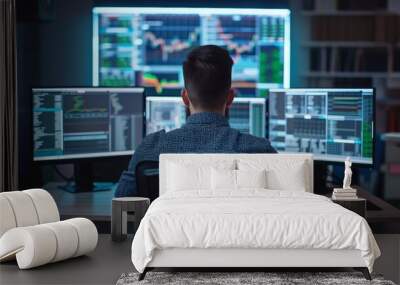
(205,226)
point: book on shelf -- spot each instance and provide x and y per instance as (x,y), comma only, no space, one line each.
(349,59)
(337,196)
(344,191)
(345,194)
(348,193)
(373,28)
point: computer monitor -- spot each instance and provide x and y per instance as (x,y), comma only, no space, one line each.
(146,46)
(78,123)
(169,113)
(248,115)
(164,113)
(330,123)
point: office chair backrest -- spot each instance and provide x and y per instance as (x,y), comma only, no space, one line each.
(147,182)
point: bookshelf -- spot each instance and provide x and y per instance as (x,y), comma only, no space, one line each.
(354,43)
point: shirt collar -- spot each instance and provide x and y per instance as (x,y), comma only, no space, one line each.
(207,118)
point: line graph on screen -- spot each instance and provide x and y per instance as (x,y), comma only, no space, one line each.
(147,46)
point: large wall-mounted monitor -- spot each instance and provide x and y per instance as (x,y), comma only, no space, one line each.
(139,46)
(330,123)
(76,123)
(169,113)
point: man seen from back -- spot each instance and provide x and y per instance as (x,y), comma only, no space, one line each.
(208,95)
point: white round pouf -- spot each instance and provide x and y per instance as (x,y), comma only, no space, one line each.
(7,220)
(41,244)
(31,231)
(45,205)
(67,240)
(87,234)
(33,246)
(23,208)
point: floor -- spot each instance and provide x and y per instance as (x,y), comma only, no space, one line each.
(103,266)
(110,259)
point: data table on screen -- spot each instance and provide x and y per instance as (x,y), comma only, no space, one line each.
(73,123)
(330,123)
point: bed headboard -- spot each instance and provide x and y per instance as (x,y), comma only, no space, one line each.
(265,159)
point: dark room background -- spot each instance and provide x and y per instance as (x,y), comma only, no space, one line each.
(54,39)
(55,50)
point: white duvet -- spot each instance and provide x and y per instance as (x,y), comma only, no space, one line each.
(250,219)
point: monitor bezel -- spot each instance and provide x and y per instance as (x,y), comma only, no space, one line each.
(338,161)
(92,156)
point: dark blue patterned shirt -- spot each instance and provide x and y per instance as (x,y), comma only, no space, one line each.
(203,133)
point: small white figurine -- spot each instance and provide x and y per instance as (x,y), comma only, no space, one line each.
(347,174)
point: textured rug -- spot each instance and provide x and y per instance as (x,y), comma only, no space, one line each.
(244,278)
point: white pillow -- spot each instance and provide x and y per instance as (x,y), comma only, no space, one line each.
(222,179)
(285,174)
(193,176)
(251,179)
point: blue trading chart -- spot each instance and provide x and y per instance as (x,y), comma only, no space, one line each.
(146,46)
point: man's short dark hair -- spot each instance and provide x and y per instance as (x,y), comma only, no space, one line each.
(207,72)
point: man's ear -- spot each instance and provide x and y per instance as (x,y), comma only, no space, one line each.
(231,96)
(185,97)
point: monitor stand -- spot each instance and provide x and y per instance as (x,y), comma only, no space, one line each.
(83,173)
